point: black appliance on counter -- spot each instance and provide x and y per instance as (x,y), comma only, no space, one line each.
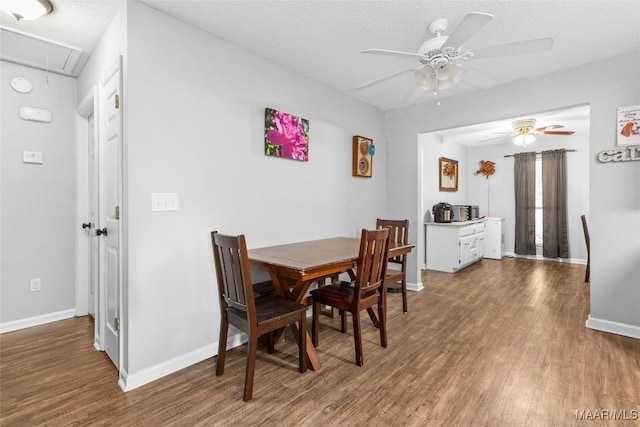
(442,212)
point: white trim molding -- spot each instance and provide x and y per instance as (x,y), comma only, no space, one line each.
(541,258)
(16,325)
(129,382)
(623,329)
(416,287)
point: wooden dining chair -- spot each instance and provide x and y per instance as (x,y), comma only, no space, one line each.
(399,234)
(368,289)
(588,242)
(254,316)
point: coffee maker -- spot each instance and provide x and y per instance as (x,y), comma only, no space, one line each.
(442,212)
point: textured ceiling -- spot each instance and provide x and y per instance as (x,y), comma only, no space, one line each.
(77,23)
(324,39)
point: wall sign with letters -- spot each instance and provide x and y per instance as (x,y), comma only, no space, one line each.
(626,154)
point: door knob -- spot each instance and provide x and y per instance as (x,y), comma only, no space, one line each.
(100,232)
(86,225)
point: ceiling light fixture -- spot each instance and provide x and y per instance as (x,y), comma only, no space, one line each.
(524,140)
(26,9)
(523,130)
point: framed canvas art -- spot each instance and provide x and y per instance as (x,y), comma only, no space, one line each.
(448,174)
(286,135)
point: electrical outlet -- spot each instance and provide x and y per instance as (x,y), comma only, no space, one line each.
(35,285)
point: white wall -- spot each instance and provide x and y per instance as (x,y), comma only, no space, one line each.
(613,196)
(112,43)
(499,188)
(196,127)
(432,149)
(37,201)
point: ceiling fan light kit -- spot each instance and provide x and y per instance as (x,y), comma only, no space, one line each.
(26,9)
(439,56)
(524,139)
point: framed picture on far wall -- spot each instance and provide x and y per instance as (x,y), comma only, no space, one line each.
(448,174)
(286,135)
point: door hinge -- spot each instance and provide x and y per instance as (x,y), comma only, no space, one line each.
(117,322)
(117,101)
(117,209)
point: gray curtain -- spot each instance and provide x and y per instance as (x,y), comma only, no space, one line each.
(525,192)
(554,204)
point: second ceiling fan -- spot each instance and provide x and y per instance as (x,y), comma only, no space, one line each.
(440,57)
(524,132)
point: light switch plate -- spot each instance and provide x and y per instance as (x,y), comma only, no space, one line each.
(32,157)
(163,202)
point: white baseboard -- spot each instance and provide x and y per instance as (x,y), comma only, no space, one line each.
(617,328)
(541,258)
(130,382)
(417,287)
(16,325)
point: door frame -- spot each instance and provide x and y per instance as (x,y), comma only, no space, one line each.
(87,107)
(90,105)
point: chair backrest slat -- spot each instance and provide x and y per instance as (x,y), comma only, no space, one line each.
(398,234)
(233,273)
(372,261)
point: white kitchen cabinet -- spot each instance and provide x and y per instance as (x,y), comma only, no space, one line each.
(494,238)
(453,246)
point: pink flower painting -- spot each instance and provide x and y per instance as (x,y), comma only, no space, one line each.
(286,135)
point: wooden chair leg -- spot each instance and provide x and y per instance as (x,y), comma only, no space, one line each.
(586,274)
(222,345)
(302,343)
(315,326)
(404,294)
(251,367)
(357,337)
(343,321)
(383,324)
(271,338)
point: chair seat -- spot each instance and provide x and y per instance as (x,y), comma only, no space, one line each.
(339,295)
(271,306)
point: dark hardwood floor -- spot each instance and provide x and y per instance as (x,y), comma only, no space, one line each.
(500,343)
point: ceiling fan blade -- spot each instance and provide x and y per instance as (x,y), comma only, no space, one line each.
(470,25)
(479,79)
(558,132)
(383,78)
(394,53)
(544,128)
(515,48)
(497,138)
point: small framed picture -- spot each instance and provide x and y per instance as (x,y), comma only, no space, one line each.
(362,156)
(448,174)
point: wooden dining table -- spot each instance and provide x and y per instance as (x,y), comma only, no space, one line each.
(294,267)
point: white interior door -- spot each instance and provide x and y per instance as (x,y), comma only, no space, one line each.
(110,190)
(94,266)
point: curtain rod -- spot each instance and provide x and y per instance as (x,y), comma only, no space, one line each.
(538,152)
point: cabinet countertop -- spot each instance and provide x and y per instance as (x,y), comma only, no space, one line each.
(455,224)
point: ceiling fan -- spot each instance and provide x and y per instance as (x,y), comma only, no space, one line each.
(440,57)
(524,131)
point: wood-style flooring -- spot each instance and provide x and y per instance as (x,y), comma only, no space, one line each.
(501,343)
